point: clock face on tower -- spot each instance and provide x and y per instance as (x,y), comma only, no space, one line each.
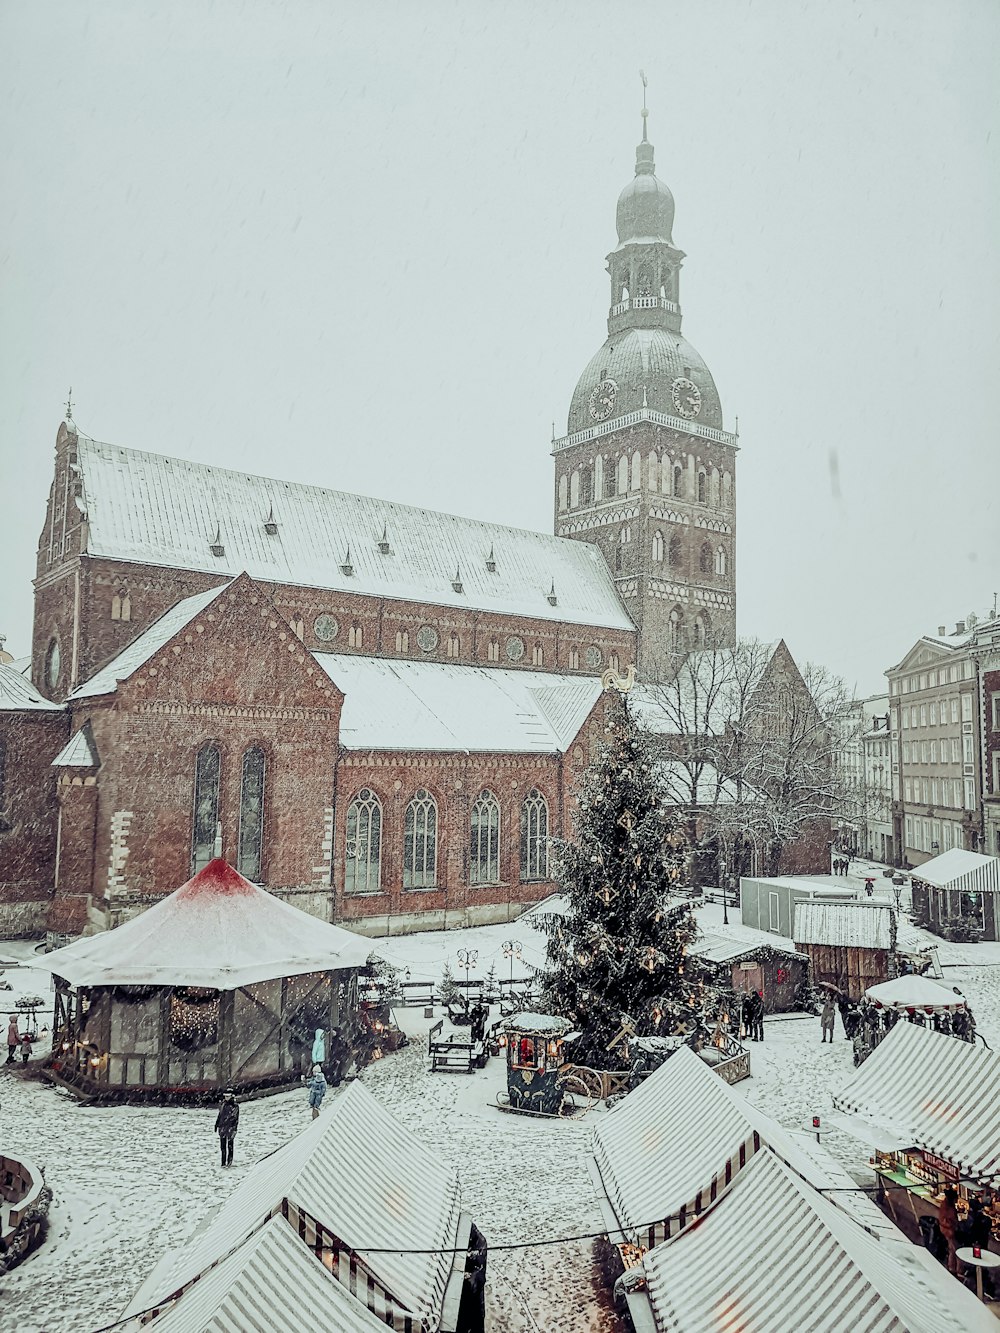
(602,400)
(686,396)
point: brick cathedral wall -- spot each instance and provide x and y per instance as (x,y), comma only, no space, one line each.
(28,815)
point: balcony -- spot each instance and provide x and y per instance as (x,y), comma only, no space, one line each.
(645,303)
(680,424)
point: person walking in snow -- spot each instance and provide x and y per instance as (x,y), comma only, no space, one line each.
(827,1017)
(26,1040)
(227,1122)
(13,1039)
(319,1047)
(317,1089)
(756,1016)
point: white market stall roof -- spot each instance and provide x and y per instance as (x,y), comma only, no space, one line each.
(217,930)
(398,705)
(854,925)
(730,949)
(915,992)
(674,1143)
(273,1282)
(360,1174)
(157,510)
(928,1090)
(959,869)
(773,1253)
(17,694)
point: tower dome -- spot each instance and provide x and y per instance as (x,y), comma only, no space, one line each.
(645,206)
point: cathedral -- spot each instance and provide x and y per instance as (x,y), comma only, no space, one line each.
(376,711)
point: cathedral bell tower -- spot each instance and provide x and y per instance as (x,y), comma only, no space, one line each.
(645,470)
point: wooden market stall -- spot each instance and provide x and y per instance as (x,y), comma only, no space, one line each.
(851,946)
(366,1201)
(220,984)
(766,965)
(959,884)
(930,1107)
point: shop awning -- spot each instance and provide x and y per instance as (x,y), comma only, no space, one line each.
(915,992)
(930,1091)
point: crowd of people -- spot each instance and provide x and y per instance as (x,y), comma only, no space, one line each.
(865,1023)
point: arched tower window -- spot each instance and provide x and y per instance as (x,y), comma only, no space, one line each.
(714,490)
(701,488)
(355,637)
(705,558)
(537,655)
(699,633)
(298,625)
(676,553)
(484,850)
(614,662)
(574,659)
(363,848)
(251,839)
(534,837)
(454,645)
(599,477)
(657,545)
(207,769)
(420,842)
(493,651)
(402,641)
(621,475)
(727,490)
(586,485)
(678,480)
(574,490)
(562,493)
(676,630)
(652,473)
(721,562)
(636,479)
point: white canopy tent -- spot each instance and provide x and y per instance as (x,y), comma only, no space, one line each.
(772,1252)
(217,930)
(915,992)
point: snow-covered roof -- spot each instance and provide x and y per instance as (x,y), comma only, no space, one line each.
(670,1147)
(959,869)
(360,1174)
(17,694)
(157,510)
(931,1091)
(527,1021)
(854,925)
(273,1280)
(775,1253)
(80,751)
(723,949)
(915,992)
(400,705)
(217,930)
(141,649)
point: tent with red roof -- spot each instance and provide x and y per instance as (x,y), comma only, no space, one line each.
(220,983)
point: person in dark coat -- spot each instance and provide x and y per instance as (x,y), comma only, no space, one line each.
(826,1019)
(852,1021)
(756,1016)
(948,1222)
(226,1124)
(746,1014)
(13,1039)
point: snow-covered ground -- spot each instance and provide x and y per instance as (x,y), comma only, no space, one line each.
(129,1180)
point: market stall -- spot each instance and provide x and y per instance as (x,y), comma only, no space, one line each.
(851,946)
(776,970)
(219,984)
(959,887)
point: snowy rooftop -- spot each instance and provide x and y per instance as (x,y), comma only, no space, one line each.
(774,1253)
(156,510)
(362,1175)
(959,869)
(915,992)
(79,751)
(18,694)
(216,930)
(398,705)
(932,1091)
(720,949)
(854,925)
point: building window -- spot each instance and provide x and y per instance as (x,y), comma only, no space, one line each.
(925,794)
(773,916)
(121,606)
(355,637)
(934,752)
(906,752)
(956,750)
(363,848)
(574,659)
(923,715)
(493,650)
(298,626)
(625,536)
(701,488)
(933,714)
(534,837)
(906,789)
(454,645)
(657,546)
(574,489)
(678,481)
(705,558)
(420,842)
(676,630)
(537,655)
(934,792)
(994,756)
(402,641)
(721,561)
(484,850)
(207,768)
(913,715)
(251,841)
(614,662)
(676,553)
(587,486)
(621,477)
(966,707)
(53,664)
(562,493)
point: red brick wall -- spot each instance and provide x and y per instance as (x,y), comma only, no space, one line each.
(30,741)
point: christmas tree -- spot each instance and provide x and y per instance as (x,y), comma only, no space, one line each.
(618,956)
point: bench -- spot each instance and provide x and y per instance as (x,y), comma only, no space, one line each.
(452,1054)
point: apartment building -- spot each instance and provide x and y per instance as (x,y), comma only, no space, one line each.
(985,650)
(877,744)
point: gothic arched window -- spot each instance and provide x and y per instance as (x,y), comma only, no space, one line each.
(574,489)
(599,478)
(363,849)
(454,645)
(676,630)
(701,488)
(678,480)
(614,662)
(621,475)
(402,641)
(251,841)
(484,850)
(562,492)
(537,655)
(636,480)
(699,633)
(652,473)
(657,545)
(207,768)
(705,558)
(676,553)
(721,562)
(534,837)
(587,486)
(420,842)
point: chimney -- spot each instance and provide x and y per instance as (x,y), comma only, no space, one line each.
(960,627)
(942,631)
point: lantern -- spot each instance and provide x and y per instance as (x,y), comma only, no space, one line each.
(553,1048)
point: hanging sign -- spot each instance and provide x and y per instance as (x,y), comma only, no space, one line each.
(941,1166)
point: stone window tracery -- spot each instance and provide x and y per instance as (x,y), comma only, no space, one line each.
(454,645)
(721,561)
(363,847)
(251,836)
(534,837)
(420,842)
(207,772)
(537,655)
(484,850)
(657,546)
(402,641)
(678,480)
(701,488)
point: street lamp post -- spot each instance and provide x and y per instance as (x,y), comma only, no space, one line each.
(511,949)
(725,890)
(467,958)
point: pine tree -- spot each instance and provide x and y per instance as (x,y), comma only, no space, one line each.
(619,954)
(448,991)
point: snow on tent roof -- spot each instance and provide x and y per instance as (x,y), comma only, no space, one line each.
(670,1147)
(932,1091)
(166,511)
(773,1252)
(853,925)
(217,930)
(723,949)
(140,650)
(17,694)
(959,869)
(915,992)
(397,705)
(358,1173)
(272,1281)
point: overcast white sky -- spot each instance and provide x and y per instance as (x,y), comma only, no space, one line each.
(362,245)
